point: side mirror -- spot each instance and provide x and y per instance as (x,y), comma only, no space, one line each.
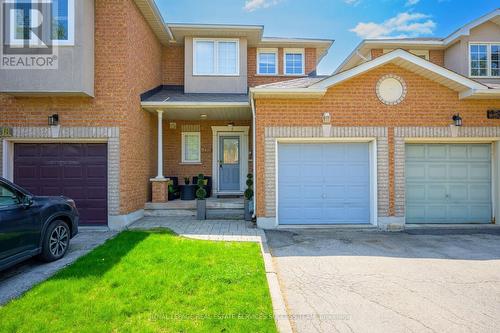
(27,201)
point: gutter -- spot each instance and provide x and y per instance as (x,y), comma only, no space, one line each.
(254,157)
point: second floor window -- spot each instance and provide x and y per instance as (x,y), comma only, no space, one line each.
(215,57)
(62,17)
(267,62)
(485,60)
(294,62)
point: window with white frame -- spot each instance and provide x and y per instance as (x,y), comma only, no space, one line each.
(191,147)
(215,57)
(267,61)
(62,27)
(294,61)
(484,60)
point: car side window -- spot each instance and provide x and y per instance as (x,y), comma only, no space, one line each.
(8,197)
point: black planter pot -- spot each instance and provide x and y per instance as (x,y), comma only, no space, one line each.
(188,192)
(201,209)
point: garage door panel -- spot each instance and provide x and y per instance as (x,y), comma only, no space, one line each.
(452,188)
(337,190)
(458,152)
(479,192)
(415,192)
(436,152)
(480,152)
(78,171)
(436,192)
(458,192)
(437,172)
(415,171)
(480,172)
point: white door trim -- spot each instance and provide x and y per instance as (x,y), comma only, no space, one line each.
(372,146)
(242,133)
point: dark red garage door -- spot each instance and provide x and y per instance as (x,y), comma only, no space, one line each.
(78,171)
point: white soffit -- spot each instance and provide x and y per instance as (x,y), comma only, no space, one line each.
(153,16)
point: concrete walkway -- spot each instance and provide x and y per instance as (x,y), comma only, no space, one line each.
(16,280)
(216,230)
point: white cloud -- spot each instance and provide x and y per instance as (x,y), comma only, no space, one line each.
(411,2)
(251,5)
(401,25)
(352,2)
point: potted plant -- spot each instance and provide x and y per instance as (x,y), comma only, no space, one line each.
(186,180)
(249,198)
(201,203)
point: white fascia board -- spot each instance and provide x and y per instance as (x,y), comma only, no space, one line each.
(286,92)
(480,93)
(465,30)
(387,58)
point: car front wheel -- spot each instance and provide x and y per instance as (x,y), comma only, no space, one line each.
(56,241)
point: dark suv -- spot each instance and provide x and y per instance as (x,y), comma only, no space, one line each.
(34,225)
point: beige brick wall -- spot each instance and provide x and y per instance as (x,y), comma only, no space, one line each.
(354,103)
(255,79)
(127,63)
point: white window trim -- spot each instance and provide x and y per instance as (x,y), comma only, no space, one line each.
(216,55)
(268,50)
(301,51)
(55,42)
(183,149)
(488,53)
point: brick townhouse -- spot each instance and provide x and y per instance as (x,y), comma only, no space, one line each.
(405,131)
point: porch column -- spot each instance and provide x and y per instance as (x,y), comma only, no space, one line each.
(160,145)
(160,183)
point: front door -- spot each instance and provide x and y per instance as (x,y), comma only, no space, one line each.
(229,164)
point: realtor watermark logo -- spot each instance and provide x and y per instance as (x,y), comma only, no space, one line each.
(28,30)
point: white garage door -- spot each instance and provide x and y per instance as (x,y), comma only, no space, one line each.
(323,183)
(448,183)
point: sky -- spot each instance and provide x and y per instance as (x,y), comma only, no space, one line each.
(345,21)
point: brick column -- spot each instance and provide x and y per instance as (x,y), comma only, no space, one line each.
(160,189)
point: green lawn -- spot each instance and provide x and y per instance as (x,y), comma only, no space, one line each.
(151,282)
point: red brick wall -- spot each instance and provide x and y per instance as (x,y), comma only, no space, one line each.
(127,63)
(435,56)
(254,79)
(173,65)
(354,103)
(172,149)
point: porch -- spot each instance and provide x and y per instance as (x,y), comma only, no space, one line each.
(209,134)
(217,208)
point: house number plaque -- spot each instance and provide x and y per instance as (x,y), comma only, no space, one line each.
(5,132)
(493,114)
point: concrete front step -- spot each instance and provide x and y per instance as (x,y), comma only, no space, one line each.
(212,214)
(190,205)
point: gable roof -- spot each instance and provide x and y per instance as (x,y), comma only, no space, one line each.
(362,51)
(153,16)
(467,88)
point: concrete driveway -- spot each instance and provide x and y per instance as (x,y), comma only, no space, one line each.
(371,281)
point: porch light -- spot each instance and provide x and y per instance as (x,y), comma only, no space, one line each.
(457,120)
(327,118)
(231,124)
(54,120)
(203,116)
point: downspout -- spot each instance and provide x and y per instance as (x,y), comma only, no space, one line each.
(254,157)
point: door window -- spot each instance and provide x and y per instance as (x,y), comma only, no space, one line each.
(231,151)
(7,197)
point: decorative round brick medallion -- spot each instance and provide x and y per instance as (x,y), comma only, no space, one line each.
(391,89)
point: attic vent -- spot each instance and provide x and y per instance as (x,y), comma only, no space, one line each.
(190,128)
